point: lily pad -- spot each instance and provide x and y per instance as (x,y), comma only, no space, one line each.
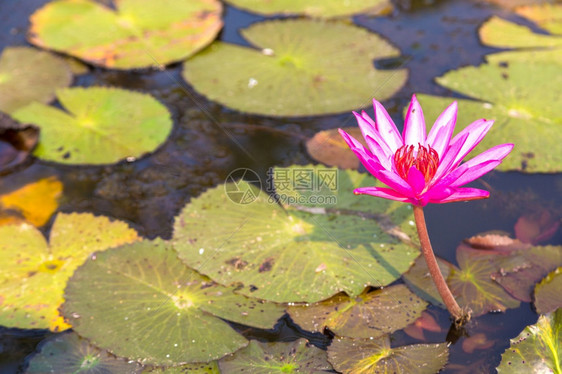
(471,284)
(170,314)
(314,8)
(419,280)
(525,113)
(288,71)
(357,356)
(369,315)
(16,143)
(510,4)
(528,46)
(100,125)
(294,254)
(520,272)
(538,349)
(547,292)
(137,34)
(35,202)
(329,148)
(69,354)
(28,75)
(34,273)
(474,288)
(210,368)
(268,358)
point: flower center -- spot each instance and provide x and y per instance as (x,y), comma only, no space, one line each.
(425,159)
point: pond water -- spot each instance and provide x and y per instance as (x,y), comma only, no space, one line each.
(209,141)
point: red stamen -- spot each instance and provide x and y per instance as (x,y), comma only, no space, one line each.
(426,161)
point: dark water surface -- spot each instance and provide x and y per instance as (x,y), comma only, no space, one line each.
(209,141)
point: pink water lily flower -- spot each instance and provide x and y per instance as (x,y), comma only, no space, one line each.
(422,169)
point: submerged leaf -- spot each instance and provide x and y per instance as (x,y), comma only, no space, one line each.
(519,273)
(67,353)
(34,273)
(548,297)
(100,125)
(297,253)
(16,143)
(514,96)
(268,358)
(357,356)
(538,349)
(290,73)
(369,315)
(35,202)
(314,8)
(137,34)
(28,75)
(170,314)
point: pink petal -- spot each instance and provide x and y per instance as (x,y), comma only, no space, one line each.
(463,194)
(369,129)
(386,193)
(445,164)
(482,164)
(380,150)
(366,117)
(414,124)
(395,182)
(416,180)
(386,127)
(440,134)
(363,154)
(476,132)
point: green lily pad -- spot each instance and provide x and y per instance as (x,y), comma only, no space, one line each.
(35,273)
(69,354)
(521,271)
(525,113)
(137,34)
(28,75)
(528,46)
(510,4)
(357,356)
(289,71)
(268,358)
(100,125)
(474,288)
(292,255)
(420,282)
(547,292)
(314,8)
(210,368)
(170,314)
(369,315)
(538,349)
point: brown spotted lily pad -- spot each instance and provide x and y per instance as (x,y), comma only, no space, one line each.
(270,358)
(170,314)
(360,356)
(137,34)
(324,241)
(369,315)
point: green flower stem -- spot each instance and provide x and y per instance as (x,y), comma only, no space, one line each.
(434,270)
